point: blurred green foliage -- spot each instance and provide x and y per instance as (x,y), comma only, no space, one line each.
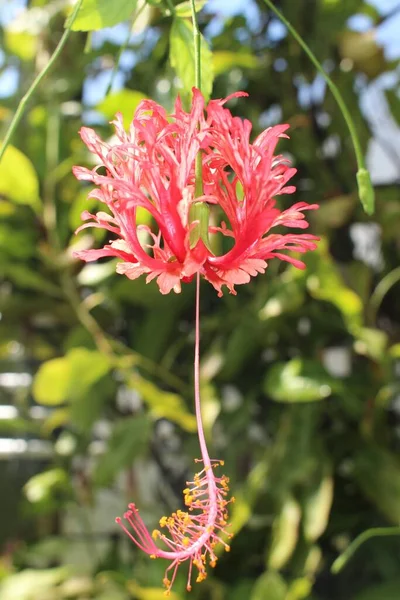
(298,370)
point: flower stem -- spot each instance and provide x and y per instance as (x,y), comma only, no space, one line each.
(197,401)
(197,46)
(200,210)
(365,189)
(25,99)
(197,79)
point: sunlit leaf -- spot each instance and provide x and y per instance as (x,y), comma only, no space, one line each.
(298,381)
(42,488)
(317,506)
(224,61)
(21,43)
(96,14)
(182,57)
(285,534)
(31,584)
(184,9)
(288,297)
(68,378)
(77,587)
(164,404)
(124,101)
(371,342)
(23,190)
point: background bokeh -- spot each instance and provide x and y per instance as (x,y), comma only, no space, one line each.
(300,371)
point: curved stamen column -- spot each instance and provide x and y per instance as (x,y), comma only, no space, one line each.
(192,534)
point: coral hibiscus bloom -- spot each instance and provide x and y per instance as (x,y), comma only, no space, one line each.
(152,166)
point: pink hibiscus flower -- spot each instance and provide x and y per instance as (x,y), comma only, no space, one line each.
(152,166)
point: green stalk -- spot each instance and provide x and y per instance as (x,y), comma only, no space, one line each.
(341,561)
(365,189)
(197,46)
(199,211)
(377,296)
(25,99)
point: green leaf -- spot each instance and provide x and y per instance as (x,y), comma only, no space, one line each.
(393,100)
(43,489)
(317,506)
(269,586)
(51,384)
(163,404)
(366,191)
(22,190)
(325,282)
(372,343)
(69,378)
(182,57)
(288,297)
(385,591)
(31,584)
(333,212)
(378,474)
(285,534)
(86,410)
(130,438)
(124,101)
(96,14)
(78,587)
(25,277)
(298,381)
(224,61)
(21,43)
(185,10)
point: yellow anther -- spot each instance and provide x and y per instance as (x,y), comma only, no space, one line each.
(163,521)
(153,556)
(156,534)
(185,541)
(213,563)
(227,548)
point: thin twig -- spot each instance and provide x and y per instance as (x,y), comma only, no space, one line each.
(340,562)
(36,82)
